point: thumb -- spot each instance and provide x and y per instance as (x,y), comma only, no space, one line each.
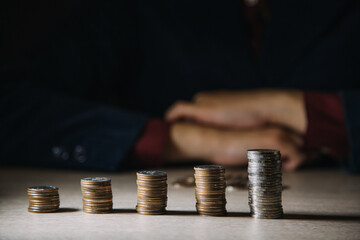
(292,158)
(191,111)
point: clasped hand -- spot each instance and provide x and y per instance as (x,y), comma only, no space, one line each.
(220,126)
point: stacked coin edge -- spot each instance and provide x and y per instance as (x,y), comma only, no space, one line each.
(151,192)
(43,199)
(96,195)
(210,190)
(265,183)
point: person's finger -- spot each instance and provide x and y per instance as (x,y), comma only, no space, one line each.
(293,157)
(295,138)
(180,110)
(289,145)
(191,111)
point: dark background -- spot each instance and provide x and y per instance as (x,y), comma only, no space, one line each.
(26,23)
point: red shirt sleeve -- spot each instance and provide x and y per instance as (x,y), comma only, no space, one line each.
(326,124)
(148,149)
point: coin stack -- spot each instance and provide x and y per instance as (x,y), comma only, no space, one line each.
(43,199)
(151,192)
(96,194)
(264,173)
(210,190)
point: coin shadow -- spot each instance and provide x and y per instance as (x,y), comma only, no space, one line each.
(122,210)
(194,213)
(238,214)
(171,212)
(322,217)
(181,213)
(65,210)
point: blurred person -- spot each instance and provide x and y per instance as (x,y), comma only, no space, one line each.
(93,94)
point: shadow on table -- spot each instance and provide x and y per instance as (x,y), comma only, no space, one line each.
(67,210)
(287,216)
(170,212)
(296,216)
(181,213)
(238,214)
(121,210)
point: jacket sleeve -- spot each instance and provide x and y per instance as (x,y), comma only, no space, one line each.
(47,129)
(352,115)
(49,115)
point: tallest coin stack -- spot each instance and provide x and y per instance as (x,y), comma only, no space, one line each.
(265,187)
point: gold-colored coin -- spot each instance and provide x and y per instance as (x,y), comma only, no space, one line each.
(96,194)
(151,192)
(43,199)
(210,190)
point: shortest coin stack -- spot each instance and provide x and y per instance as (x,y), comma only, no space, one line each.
(151,192)
(96,194)
(43,199)
(210,190)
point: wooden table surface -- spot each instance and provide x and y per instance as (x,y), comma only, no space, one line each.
(318,204)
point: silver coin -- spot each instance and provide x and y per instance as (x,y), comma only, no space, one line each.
(96,179)
(265,183)
(40,188)
(263,151)
(209,167)
(152,173)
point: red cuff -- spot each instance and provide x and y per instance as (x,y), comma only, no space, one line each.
(148,149)
(326,124)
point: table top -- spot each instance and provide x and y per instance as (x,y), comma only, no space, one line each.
(318,204)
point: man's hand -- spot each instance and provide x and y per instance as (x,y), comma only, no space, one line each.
(190,141)
(244,109)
